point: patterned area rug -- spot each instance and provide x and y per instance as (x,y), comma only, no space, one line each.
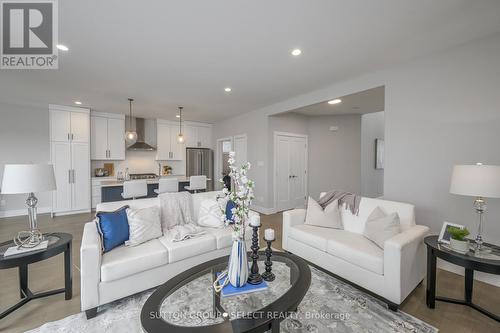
(330,305)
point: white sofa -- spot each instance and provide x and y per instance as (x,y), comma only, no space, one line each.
(124,271)
(391,273)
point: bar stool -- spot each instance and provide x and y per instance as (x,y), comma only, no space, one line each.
(133,189)
(167,185)
(196,184)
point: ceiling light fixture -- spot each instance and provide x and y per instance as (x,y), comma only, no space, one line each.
(78,103)
(180,137)
(227,89)
(335,101)
(296,52)
(130,135)
(62,47)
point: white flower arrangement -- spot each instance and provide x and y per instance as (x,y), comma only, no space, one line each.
(241,195)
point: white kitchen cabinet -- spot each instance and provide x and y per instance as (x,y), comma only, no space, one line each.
(70,155)
(198,135)
(168,148)
(107,136)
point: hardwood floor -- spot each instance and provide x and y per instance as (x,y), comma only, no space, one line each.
(49,275)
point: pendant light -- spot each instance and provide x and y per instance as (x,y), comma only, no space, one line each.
(180,137)
(130,135)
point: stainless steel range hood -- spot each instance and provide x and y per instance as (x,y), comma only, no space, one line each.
(141,144)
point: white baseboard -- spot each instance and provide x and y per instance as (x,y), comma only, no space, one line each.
(263,210)
(23,212)
(480,276)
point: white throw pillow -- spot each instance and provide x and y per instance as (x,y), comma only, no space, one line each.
(210,214)
(326,218)
(144,224)
(380,227)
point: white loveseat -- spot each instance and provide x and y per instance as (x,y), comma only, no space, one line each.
(125,270)
(391,273)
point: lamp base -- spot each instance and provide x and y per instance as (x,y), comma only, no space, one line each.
(28,239)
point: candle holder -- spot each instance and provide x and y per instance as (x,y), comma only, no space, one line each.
(268,275)
(255,277)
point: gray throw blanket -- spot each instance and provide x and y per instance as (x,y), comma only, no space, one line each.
(176,221)
(351,200)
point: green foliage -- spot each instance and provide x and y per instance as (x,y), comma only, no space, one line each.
(457,233)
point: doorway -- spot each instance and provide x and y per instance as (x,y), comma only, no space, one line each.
(238,144)
(290,170)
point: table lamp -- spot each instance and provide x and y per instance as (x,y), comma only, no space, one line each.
(28,178)
(480,181)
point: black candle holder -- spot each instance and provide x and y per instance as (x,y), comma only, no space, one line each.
(268,275)
(255,277)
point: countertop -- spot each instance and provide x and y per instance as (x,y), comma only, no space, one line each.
(111,183)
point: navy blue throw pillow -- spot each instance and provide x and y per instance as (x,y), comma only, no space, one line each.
(229,214)
(113,228)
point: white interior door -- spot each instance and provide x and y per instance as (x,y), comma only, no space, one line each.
(290,171)
(80,192)
(61,159)
(240,149)
(116,138)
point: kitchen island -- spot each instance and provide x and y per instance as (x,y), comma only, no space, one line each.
(111,190)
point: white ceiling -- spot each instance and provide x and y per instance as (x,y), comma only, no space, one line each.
(367,101)
(170,53)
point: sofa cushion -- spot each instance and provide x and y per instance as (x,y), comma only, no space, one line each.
(327,218)
(224,237)
(188,248)
(128,260)
(357,250)
(380,227)
(316,237)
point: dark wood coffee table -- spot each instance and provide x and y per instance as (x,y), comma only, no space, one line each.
(489,263)
(58,243)
(188,303)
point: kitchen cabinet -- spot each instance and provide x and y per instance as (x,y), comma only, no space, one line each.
(168,148)
(107,136)
(198,135)
(70,155)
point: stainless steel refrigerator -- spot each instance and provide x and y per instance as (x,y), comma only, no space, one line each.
(200,161)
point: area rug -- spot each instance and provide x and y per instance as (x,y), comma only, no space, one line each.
(330,305)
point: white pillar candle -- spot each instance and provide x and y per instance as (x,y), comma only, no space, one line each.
(254,221)
(269,234)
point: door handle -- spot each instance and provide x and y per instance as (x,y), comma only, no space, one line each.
(72,137)
(69,176)
(73,176)
(68,137)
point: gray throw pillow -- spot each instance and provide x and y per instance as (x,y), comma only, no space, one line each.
(380,227)
(144,224)
(326,218)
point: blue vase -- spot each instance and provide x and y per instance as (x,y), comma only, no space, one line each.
(238,264)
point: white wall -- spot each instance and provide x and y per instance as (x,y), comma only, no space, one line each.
(24,138)
(334,156)
(372,180)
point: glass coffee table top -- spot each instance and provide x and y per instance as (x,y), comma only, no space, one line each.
(189,301)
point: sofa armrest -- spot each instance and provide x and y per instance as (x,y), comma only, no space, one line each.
(404,262)
(291,218)
(90,266)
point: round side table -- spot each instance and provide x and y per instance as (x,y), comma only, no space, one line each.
(489,263)
(58,243)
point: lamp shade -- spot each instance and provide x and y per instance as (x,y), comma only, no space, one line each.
(27,178)
(476,180)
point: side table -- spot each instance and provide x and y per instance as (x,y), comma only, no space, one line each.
(58,243)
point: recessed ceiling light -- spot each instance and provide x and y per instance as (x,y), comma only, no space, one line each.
(227,89)
(335,101)
(177,116)
(296,52)
(78,103)
(62,47)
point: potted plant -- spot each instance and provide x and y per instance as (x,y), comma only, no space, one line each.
(457,239)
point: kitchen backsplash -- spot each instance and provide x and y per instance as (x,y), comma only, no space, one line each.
(141,162)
